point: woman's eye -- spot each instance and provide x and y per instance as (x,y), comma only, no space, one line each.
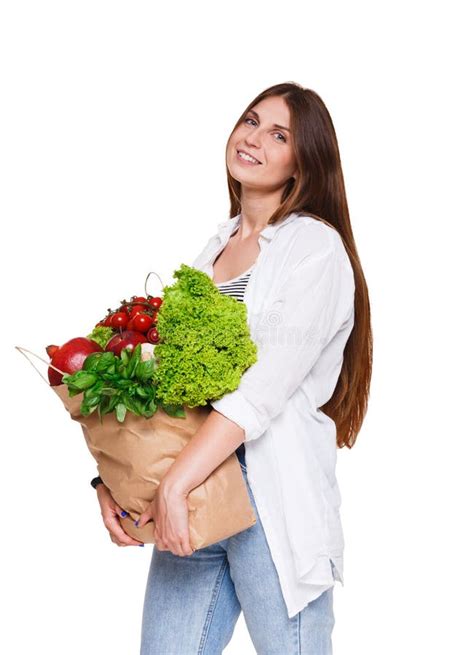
(279,133)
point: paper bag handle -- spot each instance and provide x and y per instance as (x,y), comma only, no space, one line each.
(25,350)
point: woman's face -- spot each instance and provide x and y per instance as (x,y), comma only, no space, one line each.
(258,136)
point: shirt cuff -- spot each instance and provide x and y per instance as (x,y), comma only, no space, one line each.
(238,409)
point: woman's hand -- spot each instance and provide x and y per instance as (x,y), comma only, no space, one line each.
(110,512)
(169,511)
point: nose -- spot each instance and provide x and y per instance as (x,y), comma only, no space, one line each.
(253,138)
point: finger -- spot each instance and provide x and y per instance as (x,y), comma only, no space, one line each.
(114,527)
(186,544)
(187,548)
(143,518)
(120,510)
(160,544)
(180,551)
(176,550)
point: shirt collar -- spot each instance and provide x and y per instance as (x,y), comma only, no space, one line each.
(226,228)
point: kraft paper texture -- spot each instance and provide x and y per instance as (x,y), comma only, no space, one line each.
(132,457)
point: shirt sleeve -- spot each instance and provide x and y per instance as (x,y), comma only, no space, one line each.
(316,299)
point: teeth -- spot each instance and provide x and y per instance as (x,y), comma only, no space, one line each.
(244,155)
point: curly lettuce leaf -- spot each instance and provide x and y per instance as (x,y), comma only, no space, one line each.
(205,344)
(101,335)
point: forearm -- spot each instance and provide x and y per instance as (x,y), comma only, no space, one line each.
(214,441)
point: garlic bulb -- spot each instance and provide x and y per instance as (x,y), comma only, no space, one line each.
(147,351)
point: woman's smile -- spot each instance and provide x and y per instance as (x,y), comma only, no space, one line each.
(247,159)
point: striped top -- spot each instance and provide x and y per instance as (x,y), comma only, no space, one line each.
(236,286)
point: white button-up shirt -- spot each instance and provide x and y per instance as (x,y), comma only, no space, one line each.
(300,308)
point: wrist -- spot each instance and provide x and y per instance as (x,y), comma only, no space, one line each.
(96,482)
(172,487)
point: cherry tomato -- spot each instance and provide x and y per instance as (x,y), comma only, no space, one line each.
(125,308)
(138,299)
(107,320)
(130,324)
(119,320)
(155,302)
(142,322)
(136,309)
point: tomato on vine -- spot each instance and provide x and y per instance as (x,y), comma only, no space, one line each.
(119,320)
(142,322)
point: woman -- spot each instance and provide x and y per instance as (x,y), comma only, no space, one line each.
(288,252)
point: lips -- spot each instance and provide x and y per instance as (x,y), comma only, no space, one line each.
(247,153)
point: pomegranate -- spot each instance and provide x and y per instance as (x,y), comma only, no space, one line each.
(51,350)
(70,357)
(128,339)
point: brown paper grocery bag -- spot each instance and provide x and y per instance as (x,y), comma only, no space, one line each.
(133,456)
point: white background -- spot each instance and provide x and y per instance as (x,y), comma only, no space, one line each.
(114,122)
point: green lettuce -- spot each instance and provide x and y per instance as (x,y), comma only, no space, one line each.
(101,335)
(205,344)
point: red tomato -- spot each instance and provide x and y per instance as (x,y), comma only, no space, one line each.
(136,309)
(142,322)
(130,324)
(155,302)
(119,320)
(107,321)
(125,308)
(138,299)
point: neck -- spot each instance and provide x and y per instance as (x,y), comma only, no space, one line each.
(256,209)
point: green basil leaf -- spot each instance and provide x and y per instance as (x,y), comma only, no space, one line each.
(87,408)
(134,360)
(105,406)
(106,361)
(133,404)
(73,392)
(125,355)
(124,384)
(115,401)
(120,411)
(144,393)
(145,370)
(85,380)
(97,387)
(93,400)
(109,391)
(91,362)
(176,411)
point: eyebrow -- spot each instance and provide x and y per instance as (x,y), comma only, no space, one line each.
(251,111)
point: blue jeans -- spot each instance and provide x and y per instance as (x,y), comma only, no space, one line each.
(192,603)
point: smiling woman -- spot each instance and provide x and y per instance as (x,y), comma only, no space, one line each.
(290,246)
(260,142)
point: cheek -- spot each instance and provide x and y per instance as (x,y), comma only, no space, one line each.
(232,144)
(283,158)
(237,135)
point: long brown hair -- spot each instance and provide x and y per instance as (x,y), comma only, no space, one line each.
(319,192)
